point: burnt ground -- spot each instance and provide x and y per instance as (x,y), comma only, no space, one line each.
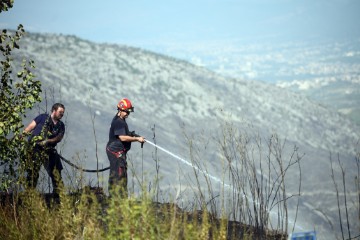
(235,229)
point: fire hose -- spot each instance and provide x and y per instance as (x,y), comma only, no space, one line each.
(107,168)
(82,169)
(156,146)
(97,170)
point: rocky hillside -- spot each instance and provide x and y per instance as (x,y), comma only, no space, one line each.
(172,96)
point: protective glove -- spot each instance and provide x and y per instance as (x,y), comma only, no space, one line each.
(43,143)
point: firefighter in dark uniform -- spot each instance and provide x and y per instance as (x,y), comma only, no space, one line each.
(119,144)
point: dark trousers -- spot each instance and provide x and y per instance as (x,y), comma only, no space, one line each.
(118,174)
(52,164)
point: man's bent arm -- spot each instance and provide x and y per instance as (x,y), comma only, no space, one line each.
(125,138)
(30,127)
(55,139)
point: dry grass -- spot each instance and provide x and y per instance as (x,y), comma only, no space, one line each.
(91,215)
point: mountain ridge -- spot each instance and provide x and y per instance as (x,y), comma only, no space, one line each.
(174,92)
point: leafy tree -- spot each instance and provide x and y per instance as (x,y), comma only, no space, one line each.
(19,92)
(6,4)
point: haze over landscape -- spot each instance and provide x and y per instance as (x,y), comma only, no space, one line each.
(308,46)
(285,67)
(142,23)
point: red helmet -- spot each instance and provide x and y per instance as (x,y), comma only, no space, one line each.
(125,105)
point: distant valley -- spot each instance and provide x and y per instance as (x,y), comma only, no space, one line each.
(326,71)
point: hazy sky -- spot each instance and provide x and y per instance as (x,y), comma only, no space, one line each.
(137,22)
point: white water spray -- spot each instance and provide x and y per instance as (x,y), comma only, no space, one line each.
(188,163)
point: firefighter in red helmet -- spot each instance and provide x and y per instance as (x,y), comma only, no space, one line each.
(120,139)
